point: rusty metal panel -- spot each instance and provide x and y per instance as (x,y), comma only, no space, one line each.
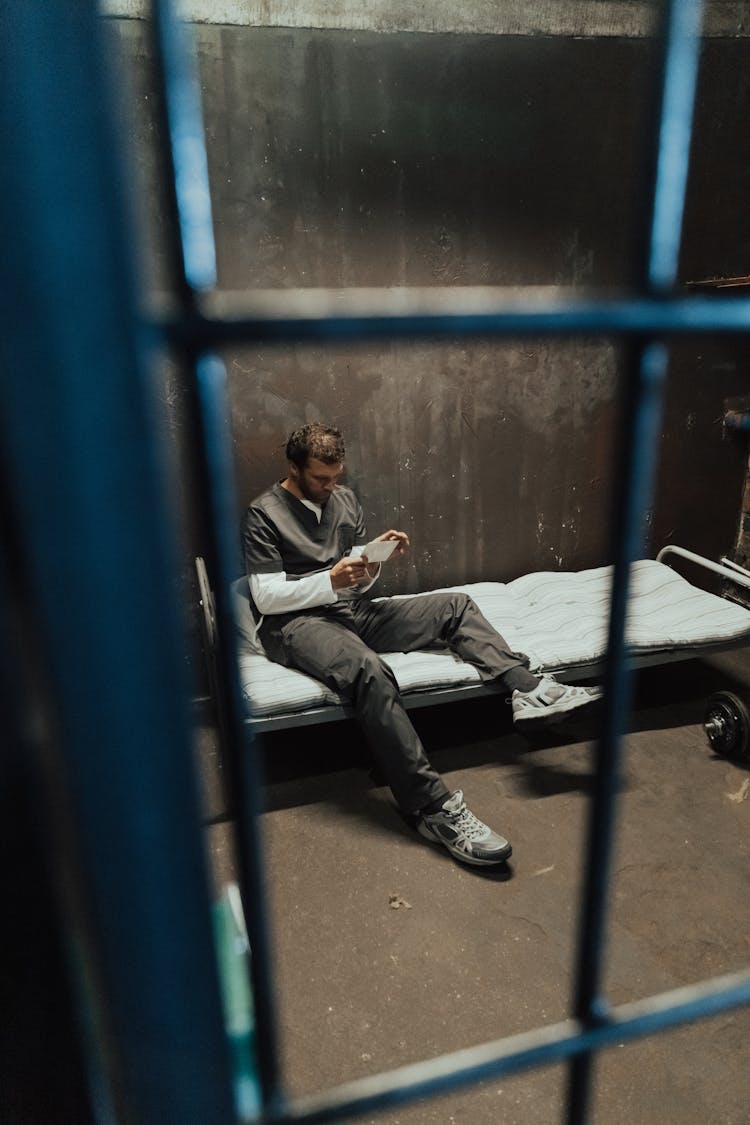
(353,158)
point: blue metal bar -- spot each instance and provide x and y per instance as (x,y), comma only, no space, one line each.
(192,262)
(239,749)
(638,316)
(542,1047)
(641,415)
(640,418)
(83,473)
(680,69)
(189,204)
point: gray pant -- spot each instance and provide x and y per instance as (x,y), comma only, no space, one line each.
(339,646)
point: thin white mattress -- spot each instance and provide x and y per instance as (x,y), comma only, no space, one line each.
(559,620)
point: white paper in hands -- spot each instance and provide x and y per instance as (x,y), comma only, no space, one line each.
(377,551)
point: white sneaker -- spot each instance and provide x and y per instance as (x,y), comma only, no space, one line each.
(548,701)
(464,835)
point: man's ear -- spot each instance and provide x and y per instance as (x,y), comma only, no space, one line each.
(293,471)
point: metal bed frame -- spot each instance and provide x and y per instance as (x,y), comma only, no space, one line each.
(428,697)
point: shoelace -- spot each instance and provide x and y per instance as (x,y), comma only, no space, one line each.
(468,824)
(542,676)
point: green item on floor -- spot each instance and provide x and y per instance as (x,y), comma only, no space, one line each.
(233,951)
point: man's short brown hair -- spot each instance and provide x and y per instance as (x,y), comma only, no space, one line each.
(324,443)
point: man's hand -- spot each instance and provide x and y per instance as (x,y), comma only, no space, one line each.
(402,545)
(348,572)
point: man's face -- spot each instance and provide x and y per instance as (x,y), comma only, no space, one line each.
(317,480)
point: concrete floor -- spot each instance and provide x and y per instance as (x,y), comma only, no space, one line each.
(388,952)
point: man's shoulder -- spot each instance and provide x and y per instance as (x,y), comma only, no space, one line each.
(346,497)
(267,500)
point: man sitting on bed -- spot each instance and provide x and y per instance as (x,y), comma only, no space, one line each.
(310,587)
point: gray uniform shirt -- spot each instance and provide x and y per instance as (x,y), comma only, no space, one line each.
(279,533)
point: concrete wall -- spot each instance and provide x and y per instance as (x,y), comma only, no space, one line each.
(579,18)
(351,158)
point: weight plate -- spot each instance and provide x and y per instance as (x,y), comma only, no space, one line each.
(727,725)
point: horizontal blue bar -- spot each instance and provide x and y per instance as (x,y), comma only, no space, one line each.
(543,1046)
(640,316)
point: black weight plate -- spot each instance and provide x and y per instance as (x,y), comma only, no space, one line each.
(727,725)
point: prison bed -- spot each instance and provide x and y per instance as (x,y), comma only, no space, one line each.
(559,619)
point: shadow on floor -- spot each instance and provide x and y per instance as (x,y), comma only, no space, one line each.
(480,733)
(386,951)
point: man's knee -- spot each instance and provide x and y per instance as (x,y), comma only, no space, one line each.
(456,603)
(374,673)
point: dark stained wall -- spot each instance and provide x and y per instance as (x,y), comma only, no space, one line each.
(356,159)
(452,443)
(366,159)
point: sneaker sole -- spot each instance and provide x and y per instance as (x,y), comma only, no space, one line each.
(547,716)
(460,855)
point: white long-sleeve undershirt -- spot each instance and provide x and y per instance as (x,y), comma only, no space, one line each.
(273,593)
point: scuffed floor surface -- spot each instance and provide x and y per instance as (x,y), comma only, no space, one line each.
(387,951)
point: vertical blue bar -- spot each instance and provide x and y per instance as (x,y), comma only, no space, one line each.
(80,444)
(187,186)
(238,744)
(673,146)
(640,416)
(193,260)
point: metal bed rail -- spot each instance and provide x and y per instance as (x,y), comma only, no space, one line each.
(734,566)
(727,569)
